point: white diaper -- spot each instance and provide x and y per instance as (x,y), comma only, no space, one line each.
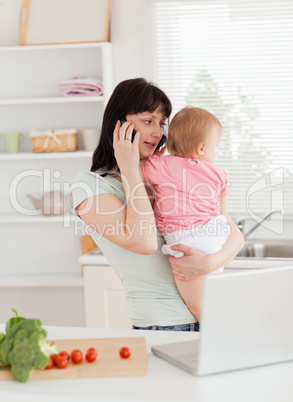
(208,238)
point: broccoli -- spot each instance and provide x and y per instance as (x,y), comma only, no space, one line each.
(24,347)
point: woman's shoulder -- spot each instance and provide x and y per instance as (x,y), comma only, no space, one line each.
(88,184)
(86,176)
(95,177)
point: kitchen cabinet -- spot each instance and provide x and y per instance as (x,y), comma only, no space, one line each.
(105,303)
(40,253)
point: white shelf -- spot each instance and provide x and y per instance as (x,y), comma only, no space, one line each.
(19,218)
(53,47)
(39,280)
(57,99)
(46,155)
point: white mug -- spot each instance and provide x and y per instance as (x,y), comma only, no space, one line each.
(91,138)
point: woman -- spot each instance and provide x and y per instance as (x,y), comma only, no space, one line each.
(113,200)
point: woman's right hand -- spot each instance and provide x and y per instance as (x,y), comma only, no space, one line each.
(126,152)
(193,264)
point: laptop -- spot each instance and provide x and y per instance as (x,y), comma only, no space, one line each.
(247,321)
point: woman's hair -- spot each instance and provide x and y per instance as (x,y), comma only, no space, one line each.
(188,128)
(129,97)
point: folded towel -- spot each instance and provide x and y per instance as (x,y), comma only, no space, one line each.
(81,86)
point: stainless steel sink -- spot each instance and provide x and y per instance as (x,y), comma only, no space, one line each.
(260,249)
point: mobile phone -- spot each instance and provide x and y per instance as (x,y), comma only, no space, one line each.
(123,120)
(160,144)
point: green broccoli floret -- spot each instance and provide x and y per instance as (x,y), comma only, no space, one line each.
(25,348)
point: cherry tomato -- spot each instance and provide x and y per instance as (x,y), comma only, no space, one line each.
(94,350)
(50,364)
(125,352)
(65,354)
(61,362)
(91,355)
(54,357)
(76,356)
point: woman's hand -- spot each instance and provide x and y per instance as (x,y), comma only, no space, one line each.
(126,152)
(192,265)
(195,263)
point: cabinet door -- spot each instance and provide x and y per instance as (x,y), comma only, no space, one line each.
(105,303)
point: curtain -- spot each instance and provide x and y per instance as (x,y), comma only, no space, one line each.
(235,59)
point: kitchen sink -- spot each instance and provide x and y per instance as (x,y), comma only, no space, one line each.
(263,249)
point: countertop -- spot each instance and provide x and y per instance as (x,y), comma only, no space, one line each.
(164,381)
(97,258)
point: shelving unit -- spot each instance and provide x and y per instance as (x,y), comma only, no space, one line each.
(43,156)
(42,251)
(56,99)
(60,46)
(18,218)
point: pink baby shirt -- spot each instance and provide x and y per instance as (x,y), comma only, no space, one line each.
(187,191)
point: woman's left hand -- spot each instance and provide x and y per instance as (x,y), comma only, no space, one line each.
(193,264)
(126,151)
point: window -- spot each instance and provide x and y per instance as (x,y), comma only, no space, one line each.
(235,59)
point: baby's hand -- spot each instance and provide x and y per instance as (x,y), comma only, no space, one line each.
(126,152)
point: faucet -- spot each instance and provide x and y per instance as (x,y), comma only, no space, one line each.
(240,222)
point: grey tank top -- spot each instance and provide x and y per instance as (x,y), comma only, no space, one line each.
(151,293)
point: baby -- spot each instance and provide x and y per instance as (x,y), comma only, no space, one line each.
(190,204)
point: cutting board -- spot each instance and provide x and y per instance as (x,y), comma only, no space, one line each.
(64,21)
(108,363)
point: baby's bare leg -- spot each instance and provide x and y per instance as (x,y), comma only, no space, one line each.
(192,292)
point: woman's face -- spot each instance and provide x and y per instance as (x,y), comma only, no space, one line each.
(151,127)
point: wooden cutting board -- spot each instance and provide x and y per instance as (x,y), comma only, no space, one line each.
(108,363)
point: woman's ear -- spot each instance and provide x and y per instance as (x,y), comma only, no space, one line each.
(200,148)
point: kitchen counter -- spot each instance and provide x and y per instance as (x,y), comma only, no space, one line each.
(97,258)
(164,381)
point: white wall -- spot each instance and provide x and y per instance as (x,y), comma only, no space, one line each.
(132,39)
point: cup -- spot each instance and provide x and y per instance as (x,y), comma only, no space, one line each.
(12,142)
(90,137)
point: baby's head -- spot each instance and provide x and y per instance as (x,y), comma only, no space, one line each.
(194,133)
